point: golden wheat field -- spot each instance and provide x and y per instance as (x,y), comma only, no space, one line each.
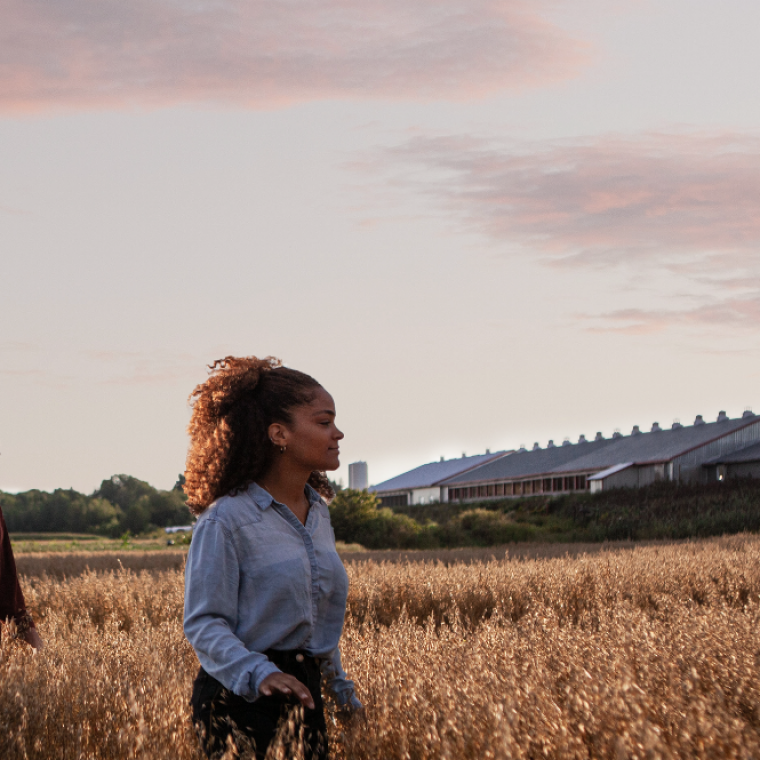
(645,652)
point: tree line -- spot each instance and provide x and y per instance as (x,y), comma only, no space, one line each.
(122,504)
(664,510)
(660,511)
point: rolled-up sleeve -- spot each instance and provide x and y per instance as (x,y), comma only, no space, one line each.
(337,684)
(212,577)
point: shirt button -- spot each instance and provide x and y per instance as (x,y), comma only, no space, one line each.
(299,657)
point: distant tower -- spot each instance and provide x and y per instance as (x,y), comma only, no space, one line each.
(357,476)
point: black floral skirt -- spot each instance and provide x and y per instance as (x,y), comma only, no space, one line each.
(222,718)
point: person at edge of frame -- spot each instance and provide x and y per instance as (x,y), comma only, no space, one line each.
(265,589)
(12,604)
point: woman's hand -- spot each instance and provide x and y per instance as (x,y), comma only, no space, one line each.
(33,639)
(285,684)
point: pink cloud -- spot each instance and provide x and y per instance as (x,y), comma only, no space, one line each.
(732,312)
(150,53)
(690,202)
(676,209)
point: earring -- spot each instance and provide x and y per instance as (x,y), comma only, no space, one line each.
(283,449)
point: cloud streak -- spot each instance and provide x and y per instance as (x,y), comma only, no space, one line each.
(675,208)
(600,201)
(150,53)
(737,312)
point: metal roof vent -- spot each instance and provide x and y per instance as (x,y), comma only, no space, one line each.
(747,412)
(676,424)
(463,455)
(566,442)
(599,436)
(616,433)
(521,449)
(536,447)
(442,459)
(655,427)
(550,445)
(636,430)
(699,420)
(582,439)
(488,451)
(722,417)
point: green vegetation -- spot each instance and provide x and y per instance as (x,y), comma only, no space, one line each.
(357,517)
(660,511)
(122,506)
(91,545)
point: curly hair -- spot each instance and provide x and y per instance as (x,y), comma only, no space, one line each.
(231,415)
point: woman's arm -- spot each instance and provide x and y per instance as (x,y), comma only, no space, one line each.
(211,612)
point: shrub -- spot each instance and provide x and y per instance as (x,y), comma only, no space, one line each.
(357,517)
(482,527)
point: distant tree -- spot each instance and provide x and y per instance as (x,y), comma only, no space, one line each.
(60,511)
(144,507)
(167,508)
(124,490)
(357,517)
(335,485)
(137,517)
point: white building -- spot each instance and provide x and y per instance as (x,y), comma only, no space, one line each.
(358,476)
(422,485)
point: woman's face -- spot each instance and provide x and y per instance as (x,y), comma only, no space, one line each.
(311,437)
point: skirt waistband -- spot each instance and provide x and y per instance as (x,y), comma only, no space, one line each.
(288,658)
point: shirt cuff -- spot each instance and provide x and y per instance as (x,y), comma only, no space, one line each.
(257,676)
(348,702)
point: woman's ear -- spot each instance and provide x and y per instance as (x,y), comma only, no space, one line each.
(278,434)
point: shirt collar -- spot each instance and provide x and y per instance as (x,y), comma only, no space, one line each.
(264,500)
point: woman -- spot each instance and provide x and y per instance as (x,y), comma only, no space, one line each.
(12,603)
(265,590)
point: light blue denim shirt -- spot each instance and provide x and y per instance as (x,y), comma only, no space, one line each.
(257,579)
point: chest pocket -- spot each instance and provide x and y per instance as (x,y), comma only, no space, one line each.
(274,565)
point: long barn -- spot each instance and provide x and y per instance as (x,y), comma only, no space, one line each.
(694,453)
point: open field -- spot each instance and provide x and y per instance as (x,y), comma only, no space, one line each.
(73,561)
(638,652)
(36,543)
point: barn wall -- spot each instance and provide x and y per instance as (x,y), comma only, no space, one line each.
(688,467)
(425,495)
(743,470)
(628,478)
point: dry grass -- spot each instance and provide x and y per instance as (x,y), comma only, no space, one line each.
(647,652)
(67,564)
(70,564)
(79,543)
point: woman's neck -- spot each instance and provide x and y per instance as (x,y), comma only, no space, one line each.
(288,488)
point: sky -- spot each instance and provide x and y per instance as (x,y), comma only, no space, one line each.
(478,223)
